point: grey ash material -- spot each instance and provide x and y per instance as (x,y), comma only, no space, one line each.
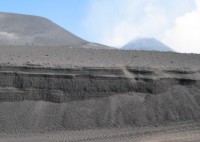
(63,85)
(52,99)
(72,57)
(48,89)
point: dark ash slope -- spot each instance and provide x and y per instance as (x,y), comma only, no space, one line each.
(47,89)
(46,99)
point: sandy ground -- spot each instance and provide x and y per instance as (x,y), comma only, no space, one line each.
(175,132)
(73,57)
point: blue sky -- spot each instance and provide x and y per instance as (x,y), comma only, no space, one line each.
(115,22)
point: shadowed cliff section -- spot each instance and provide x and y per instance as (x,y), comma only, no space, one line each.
(61,85)
(40,99)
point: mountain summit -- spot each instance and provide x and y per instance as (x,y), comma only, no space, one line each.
(20,29)
(148,44)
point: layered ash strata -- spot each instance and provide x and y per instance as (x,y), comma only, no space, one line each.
(65,89)
(63,85)
(41,99)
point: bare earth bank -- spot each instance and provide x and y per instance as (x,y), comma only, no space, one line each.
(64,94)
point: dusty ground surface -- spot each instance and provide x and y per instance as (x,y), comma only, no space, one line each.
(70,57)
(175,132)
(66,94)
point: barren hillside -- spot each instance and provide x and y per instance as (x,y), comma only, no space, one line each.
(28,30)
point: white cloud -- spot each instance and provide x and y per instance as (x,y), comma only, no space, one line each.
(115,22)
(127,29)
(185,36)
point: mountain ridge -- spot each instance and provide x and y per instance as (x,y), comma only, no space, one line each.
(148,44)
(29,30)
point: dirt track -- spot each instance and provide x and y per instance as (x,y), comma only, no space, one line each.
(175,132)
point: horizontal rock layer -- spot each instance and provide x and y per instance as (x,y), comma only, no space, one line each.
(61,85)
(43,99)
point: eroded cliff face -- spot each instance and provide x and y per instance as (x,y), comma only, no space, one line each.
(47,99)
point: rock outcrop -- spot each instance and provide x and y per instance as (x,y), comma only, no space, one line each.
(47,99)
